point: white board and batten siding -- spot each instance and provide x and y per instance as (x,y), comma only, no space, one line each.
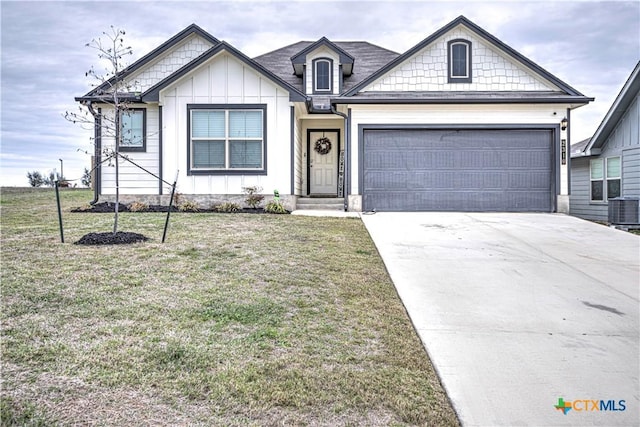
(224,79)
(624,141)
(134,180)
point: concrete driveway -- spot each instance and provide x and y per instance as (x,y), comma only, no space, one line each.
(519,310)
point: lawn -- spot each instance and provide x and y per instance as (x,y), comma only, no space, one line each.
(237,319)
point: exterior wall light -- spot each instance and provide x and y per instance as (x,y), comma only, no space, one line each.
(563,124)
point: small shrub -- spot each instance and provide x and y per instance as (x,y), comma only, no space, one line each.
(138,207)
(188,206)
(177,199)
(275,207)
(253,199)
(228,207)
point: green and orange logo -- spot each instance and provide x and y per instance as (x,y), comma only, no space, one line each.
(563,406)
(589,405)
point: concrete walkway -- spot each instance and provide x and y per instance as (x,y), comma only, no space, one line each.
(519,310)
(326,213)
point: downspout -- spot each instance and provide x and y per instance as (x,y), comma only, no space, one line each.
(347,140)
(97,149)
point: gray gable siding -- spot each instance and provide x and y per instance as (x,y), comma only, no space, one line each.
(580,205)
(631,172)
(624,141)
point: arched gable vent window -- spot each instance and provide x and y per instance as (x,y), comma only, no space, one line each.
(322,78)
(459,67)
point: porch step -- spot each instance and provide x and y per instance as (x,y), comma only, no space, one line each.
(320,203)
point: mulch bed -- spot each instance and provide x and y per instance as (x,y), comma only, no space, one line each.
(108,207)
(119,238)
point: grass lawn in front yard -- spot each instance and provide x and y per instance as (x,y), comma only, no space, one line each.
(238,319)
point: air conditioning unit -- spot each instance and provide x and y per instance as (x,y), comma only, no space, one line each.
(624,211)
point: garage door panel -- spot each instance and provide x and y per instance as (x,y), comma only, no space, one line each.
(528,181)
(465,170)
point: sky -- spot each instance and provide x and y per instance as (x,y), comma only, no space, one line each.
(592,46)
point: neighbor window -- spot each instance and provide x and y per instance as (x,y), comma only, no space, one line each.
(223,139)
(459,61)
(132,129)
(322,75)
(597,179)
(608,172)
(613,177)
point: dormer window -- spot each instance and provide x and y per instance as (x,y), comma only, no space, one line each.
(322,79)
(459,67)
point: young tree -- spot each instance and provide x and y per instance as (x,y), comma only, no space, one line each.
(111,91)
(35,179)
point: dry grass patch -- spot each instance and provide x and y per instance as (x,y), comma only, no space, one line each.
(237,320)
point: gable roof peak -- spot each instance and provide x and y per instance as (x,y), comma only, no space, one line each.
(152,94)
(156,53)
(625,98)
(345,58)
(300,58)
(481,33)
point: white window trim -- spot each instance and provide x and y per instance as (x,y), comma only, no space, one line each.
(468,47)
(142,146)
(315,75)
(591,180)
(466,59)
(605,179)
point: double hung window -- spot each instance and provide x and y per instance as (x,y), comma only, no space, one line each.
(132,129)
(605,179)
(224,139)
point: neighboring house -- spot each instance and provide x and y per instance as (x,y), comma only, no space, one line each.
(461,122)
(607,165)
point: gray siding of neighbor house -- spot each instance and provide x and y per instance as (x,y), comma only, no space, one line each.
(624,141)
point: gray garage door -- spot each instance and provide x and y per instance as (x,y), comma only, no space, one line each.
(458,170)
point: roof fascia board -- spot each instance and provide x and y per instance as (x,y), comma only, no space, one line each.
(461,20)
(619,106)
(153,93)
(107,99)
(566,100)
(155,53)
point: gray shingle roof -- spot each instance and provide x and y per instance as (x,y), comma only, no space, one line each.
(577,148)
(368,58)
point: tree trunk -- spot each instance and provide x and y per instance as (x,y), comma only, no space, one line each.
(118,136)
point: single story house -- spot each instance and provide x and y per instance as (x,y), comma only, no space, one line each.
(607,165)
(459,122)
